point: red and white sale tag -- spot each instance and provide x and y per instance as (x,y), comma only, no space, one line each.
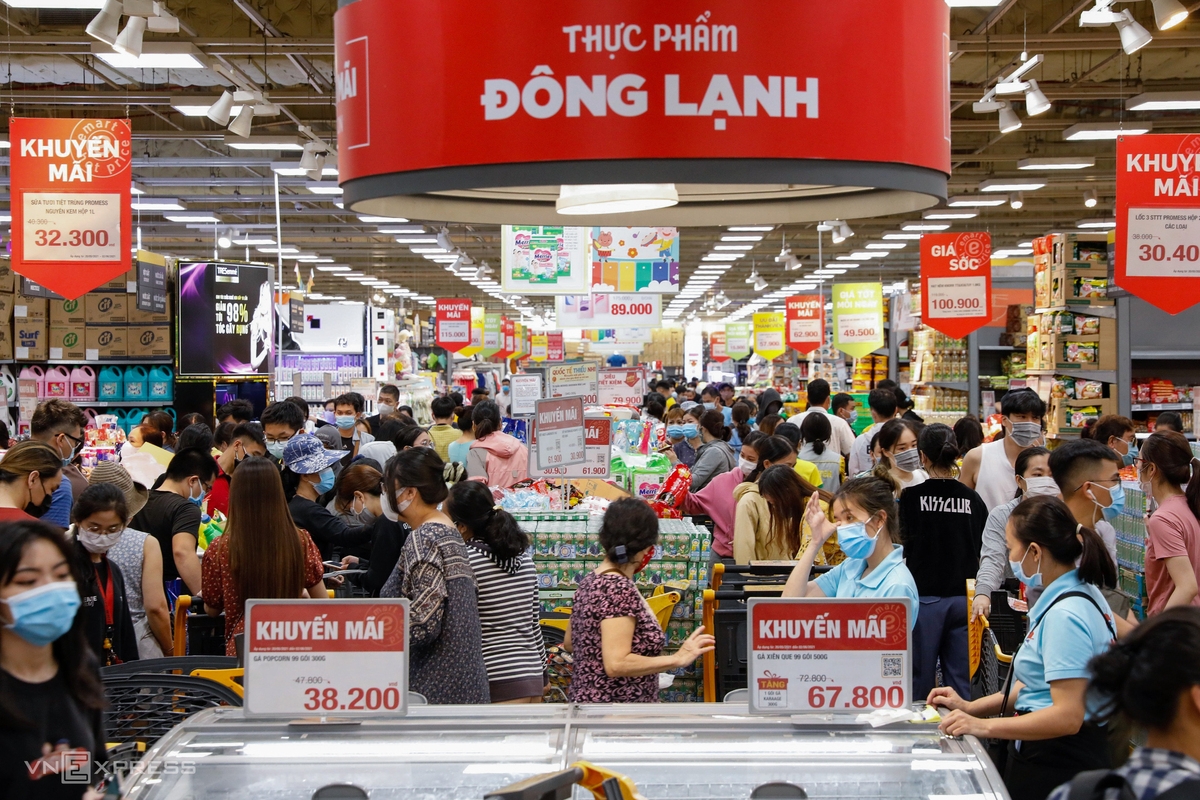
(805,322)
(956,282)
(838,655)
(597,443)
(344,658)
(559,430)
(622,387)
(453,324)
(957,297)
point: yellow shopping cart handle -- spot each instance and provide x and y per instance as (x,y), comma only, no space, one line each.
(604,784)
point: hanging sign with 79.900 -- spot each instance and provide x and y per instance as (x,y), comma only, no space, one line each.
(956,282)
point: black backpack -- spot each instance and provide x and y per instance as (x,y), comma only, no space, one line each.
(1094,785)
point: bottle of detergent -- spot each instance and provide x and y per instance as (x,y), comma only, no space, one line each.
(83,385)
(162,384)
(136,384)
(132,417)
(34,373)
(58,383)
(111,385)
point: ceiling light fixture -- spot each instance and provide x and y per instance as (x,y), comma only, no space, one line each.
(1017,201)
(912,237)
(1091,131)
(153,55)
(105,25)
(1071,162)
(615,198)
(1096,224)
(1168,13)
(129,42)
(925,226)
(976,201)
(1011,185)
(1133,36)
(841,231)
(320,187)
(191,216)
(947,213)
(1089,198)
(1035,100)
(145,203)
(886,246)
(1164,101)
(225,239)
(242,123)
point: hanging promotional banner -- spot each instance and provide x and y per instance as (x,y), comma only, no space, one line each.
(609,310)
(342,657)
(543,260)
(1158,219)
(805,322)
(737,340)
(70,182)
(620,335)
(674,94)
(571,380)
(622,387)
(225,320)
(559,430)
(520,341)
(510,346)
(635,260)
(526,391)
(493,336)
(768,334)
(554,346)
(453,324)
(716,346)
(857,318)
(477,320)
(539,347)
(597,445)
(956,282)
(838,656)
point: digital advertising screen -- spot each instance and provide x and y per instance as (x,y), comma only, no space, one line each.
(224,319)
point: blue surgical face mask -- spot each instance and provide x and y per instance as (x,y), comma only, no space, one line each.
(710,405)
(43,614)
(344,421)
(504,389)
(853,416)
(855,541)
(1033,581)
(326,480)
(675,431)
(197,501)
(276,449)
(1130,455)
(328,416)
(690,430)
(1117,504)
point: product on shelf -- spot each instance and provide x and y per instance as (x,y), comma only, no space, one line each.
(1158,390)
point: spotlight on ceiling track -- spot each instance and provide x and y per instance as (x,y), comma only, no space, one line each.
(106,25)
(129,41)
(220,111)
(1016,202)
(1169,13)
(1089,198)
(241,124)
(225,238)
(1133,36)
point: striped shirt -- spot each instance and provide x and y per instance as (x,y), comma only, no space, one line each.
(508,613)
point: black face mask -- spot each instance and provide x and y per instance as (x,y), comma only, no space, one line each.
(41,509)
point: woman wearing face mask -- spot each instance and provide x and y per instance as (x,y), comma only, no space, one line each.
(434,573)
(615,640)
(261,555)
(51,698)
(29,473)
(864,513)
(770,524)
(100,516)
(683,433)
(1118,433)
(513,648)
(715,455)
(307,476)
(942,522)
(717,501)
(1033,480)
(1055,725)
(815,432)
(1165,463)
(360,488)
(901,459)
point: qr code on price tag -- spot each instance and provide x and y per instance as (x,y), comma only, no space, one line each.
(893,666)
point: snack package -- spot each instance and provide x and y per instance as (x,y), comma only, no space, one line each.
(1087,326)
(675,487)
(1080,352)
(1079,417)
(1064,388)
(1091,288)
(1089,390)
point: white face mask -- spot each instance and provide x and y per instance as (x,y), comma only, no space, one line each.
(384,409)
(1041,485)
(746,466)
(98,542)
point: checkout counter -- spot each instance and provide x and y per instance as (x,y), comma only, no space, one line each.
(670,751)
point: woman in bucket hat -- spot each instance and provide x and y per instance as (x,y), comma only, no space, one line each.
(307,479)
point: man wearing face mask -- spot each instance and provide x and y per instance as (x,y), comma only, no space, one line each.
(280,422)
(172,515)
(990,469)
(307,477)
(246,440)
(503,399)
(346,410)
(60,424)
(1088,475)
(386,402)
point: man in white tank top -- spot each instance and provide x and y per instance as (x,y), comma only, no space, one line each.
(990,468)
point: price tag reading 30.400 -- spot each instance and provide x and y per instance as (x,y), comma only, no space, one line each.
(1163,242)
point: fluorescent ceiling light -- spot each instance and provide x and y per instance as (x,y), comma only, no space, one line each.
(1096,224)
(1010,185)
(377,219)
(912,237)
(191,216)
(943,213)
(720,257)
(864,254)
(750,228)
(264,142)
(410,229)
(321,187)
(1164,101)
(925,226)
(307,257)
(886,246)
(286,250)
(1075,162)
(974,201)
(248,240)
(143,203)
(134,187)
(733,247)
(1089,131)
(197,106)
(615,198)
(334,268)
(155,55)
(430,251)
(416,239)
(292,169)
(741,238)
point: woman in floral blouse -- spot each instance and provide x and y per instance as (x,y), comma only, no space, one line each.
(616,642)
(434,573)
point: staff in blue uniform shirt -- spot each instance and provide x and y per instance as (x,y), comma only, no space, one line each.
(868,532)
(1053,735)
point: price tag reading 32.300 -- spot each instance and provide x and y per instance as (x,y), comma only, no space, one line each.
(71,227)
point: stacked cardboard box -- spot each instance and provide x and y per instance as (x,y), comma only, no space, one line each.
(666,345)
(103,324)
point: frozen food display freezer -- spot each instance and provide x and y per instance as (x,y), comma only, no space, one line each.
(672,752)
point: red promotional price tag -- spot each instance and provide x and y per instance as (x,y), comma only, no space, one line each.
(509,346)
(716,346)
(597,443)
(1158,219)
(559,430)
(554,346)
(622,387)
(71,184)
(343,658)
(844,656)
(805,322)
(956,282)
(453,324)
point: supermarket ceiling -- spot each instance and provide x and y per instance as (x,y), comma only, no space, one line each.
(284,49)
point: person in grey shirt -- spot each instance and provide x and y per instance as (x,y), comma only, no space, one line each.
(1033,479)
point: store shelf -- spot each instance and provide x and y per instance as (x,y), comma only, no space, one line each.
(1165,355)
(1186,435)
(1103,375)
(104,362)
(961,386)
(1001,348)
(124,404)
(1162,407)
(1095,311)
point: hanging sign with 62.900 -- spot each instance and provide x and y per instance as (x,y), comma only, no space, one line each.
(956,282)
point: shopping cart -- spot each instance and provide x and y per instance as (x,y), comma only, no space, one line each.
(197,634)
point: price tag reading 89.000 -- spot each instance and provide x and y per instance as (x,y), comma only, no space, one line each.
(957,297)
